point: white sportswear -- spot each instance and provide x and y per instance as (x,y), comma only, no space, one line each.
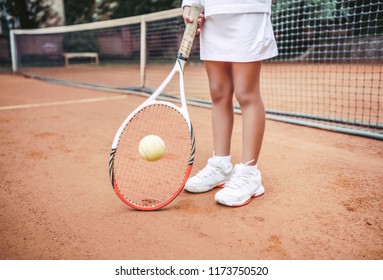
(213,7)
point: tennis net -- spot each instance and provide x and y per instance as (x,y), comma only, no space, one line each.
(328,73)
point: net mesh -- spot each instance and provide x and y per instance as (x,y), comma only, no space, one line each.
(328,73)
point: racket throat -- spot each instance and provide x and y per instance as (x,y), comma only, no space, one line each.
(180,56)
(181,62)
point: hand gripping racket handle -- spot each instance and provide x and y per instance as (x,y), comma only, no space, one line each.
(191,28)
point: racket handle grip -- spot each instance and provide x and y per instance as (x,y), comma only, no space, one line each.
(189,33)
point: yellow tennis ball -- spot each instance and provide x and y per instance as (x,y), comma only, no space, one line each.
(151,147)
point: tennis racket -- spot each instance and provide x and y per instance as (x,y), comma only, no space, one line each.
(151,185)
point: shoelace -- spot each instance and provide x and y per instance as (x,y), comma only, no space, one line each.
(207,171)
(247,163)
(237,180)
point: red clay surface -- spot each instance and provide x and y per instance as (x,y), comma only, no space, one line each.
(323,200)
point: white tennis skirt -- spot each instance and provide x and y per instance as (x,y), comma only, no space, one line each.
(238,38)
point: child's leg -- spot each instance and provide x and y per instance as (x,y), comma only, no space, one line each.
(246,78)
(219,168)
(246,181)
(221,91)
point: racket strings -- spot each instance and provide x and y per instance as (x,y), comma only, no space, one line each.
(147,184)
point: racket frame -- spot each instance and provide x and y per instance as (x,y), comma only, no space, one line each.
(180,63)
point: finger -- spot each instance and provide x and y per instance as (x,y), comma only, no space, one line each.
(188,20)
(186,15)
(201,21)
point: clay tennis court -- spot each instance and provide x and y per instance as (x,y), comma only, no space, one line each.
(323,199)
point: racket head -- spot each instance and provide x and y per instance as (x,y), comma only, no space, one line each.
(146,185)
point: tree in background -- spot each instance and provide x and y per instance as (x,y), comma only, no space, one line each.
(95,10)
(77,12)
(112,9)
(28,14)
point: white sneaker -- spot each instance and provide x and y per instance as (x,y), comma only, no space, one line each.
(245,183)
(213,175)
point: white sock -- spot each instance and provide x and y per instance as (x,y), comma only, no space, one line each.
(226,159)
(252,169)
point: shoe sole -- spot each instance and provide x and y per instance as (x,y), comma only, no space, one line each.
(194,190)
(258,193)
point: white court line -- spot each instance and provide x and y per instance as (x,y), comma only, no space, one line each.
(77,101)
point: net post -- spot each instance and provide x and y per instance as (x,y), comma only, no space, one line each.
(13,50)
(143,51)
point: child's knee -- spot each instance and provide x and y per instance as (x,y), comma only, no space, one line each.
(245,98)
(220,92)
